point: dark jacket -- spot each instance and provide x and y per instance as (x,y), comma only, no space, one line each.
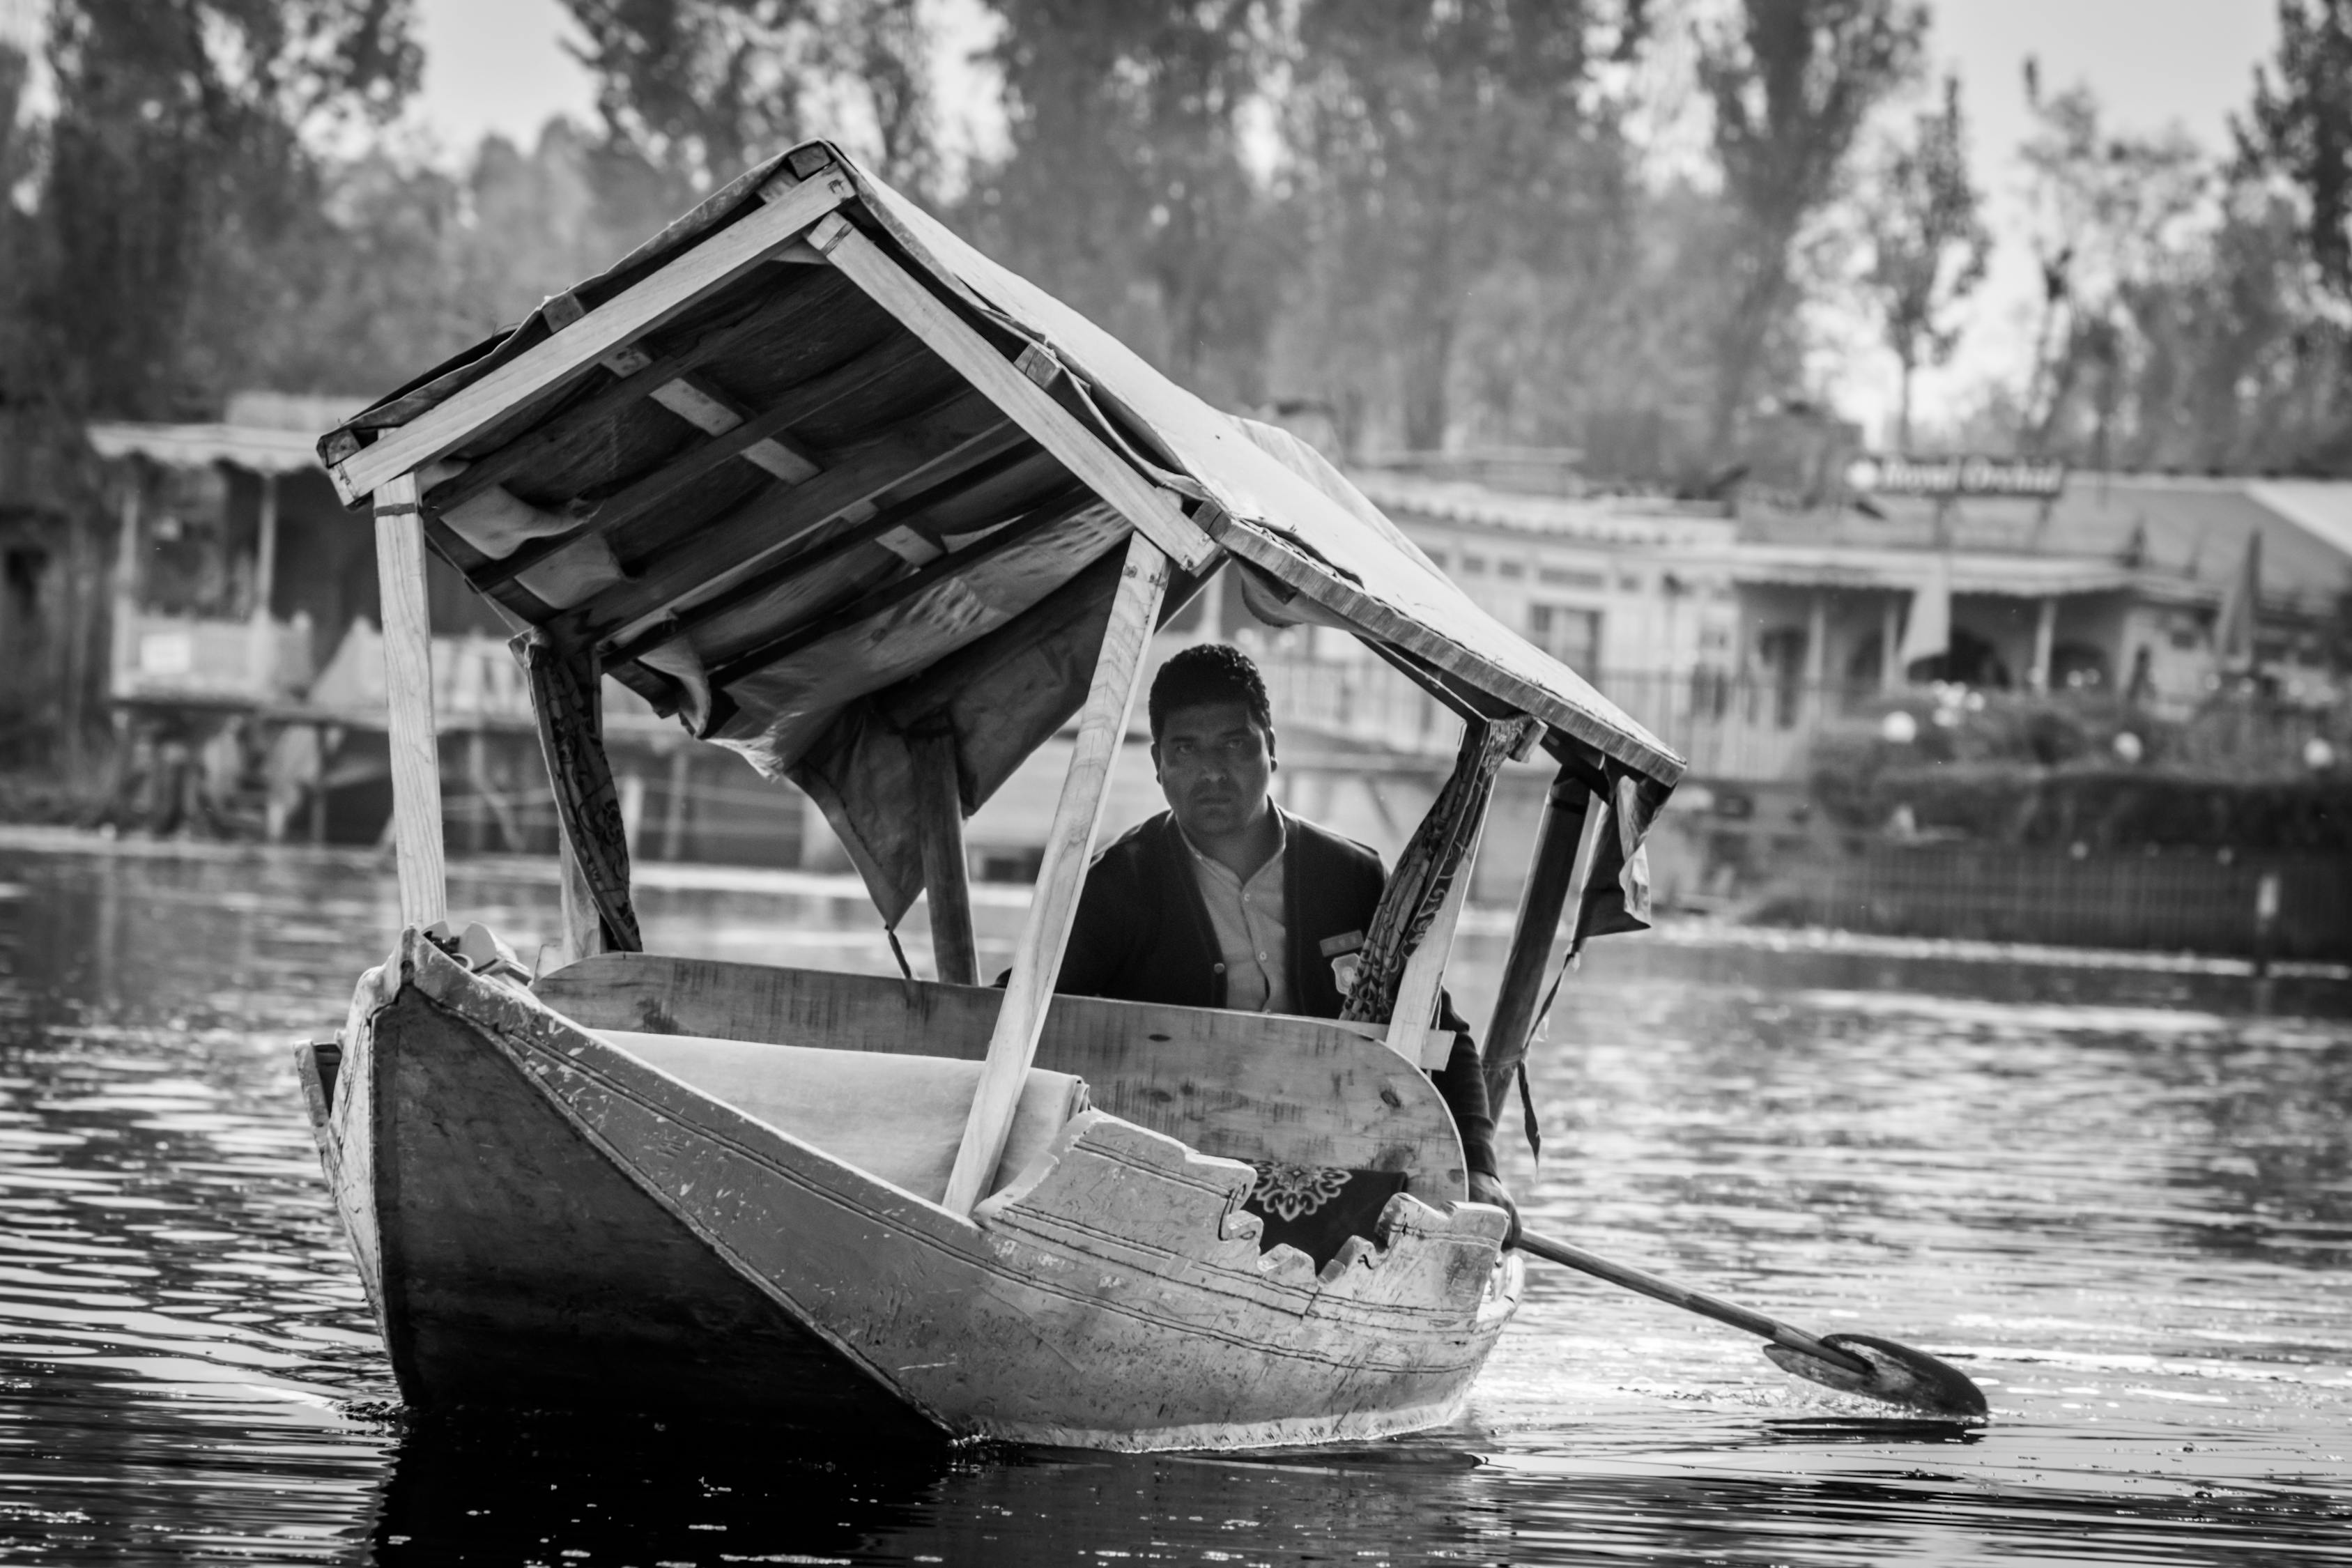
(1142,934)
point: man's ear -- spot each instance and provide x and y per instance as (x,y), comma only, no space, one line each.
(1153,750)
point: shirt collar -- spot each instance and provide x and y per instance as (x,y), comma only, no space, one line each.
(1281,844)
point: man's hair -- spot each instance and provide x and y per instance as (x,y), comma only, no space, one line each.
(1212,672)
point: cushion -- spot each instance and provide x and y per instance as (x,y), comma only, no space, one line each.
(898,1118)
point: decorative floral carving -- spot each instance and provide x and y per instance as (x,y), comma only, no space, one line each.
(1290,1191)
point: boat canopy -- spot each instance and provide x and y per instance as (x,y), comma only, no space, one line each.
(814,522)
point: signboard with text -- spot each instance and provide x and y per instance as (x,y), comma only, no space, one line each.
(2036,478)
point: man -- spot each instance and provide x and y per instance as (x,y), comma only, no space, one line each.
(1225,900)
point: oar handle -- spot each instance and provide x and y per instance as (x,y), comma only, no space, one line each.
(1691,1300)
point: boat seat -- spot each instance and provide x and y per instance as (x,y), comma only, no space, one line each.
(898,1118)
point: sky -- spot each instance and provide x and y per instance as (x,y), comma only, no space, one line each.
(498,65)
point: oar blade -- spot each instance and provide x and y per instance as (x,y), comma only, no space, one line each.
(1900,1374)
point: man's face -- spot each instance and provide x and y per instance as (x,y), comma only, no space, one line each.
(1214,761)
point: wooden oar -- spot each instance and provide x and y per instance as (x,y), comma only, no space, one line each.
(1852,1363)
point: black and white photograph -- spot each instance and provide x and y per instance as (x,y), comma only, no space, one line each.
(1196,782)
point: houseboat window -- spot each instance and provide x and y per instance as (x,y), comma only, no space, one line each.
(1511,568)
(1473,563)
(1567,577)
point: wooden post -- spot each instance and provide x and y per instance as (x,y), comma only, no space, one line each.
(583,924)
(1817,656)
(477,776)
(408,686)
(632,809)
(123,643)
(2045,643)
(939,818)
(1069,844)
(1424,972)
(681,770)
(1890,645)
(1560,846)
(260,648)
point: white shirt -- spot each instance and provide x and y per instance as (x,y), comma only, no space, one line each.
(1252,921)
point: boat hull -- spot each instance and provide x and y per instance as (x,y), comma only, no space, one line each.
(543,1219)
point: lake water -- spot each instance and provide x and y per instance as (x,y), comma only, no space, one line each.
(2119,1196)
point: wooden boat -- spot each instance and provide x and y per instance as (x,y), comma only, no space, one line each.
(838,492)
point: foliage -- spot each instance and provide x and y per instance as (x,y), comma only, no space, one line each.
(2109,210)
(1441,148)
(701,88)
(1126,188)
(2030,770)
(175,158)
(1929,245)
(1791,84)
(2300,125)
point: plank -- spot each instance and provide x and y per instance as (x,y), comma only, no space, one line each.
(816,629)
(1152,510)
(584,926)
(635,311)
(1564,842)
(408,686)
(642,495)
(695,400)
(1069,845)
(898,515)
(715,556)
(546,438)
(1243,1086)
(1424,972)
(938,812)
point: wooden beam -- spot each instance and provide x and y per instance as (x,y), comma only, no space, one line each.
(715,557)
(897,515)
(544,438)
(408,686)
(1152,510)
(695,400)
(760,654)
(260,645)
(938,819)
(650,491)
(584,926)
(1069,845)
(674,808)
(1563,851)
(1424,972)
(129,550)
(635,311)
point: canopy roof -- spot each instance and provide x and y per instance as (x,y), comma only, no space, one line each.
(809,524)
(257,449)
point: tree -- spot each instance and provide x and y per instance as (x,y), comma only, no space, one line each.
(1928,245)
(1125,188)
(703,89)
(2301,127)
(177,169)
(2111,214)
(1439,143)
(1791,83)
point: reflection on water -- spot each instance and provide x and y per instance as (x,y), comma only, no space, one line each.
(2121,1198)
